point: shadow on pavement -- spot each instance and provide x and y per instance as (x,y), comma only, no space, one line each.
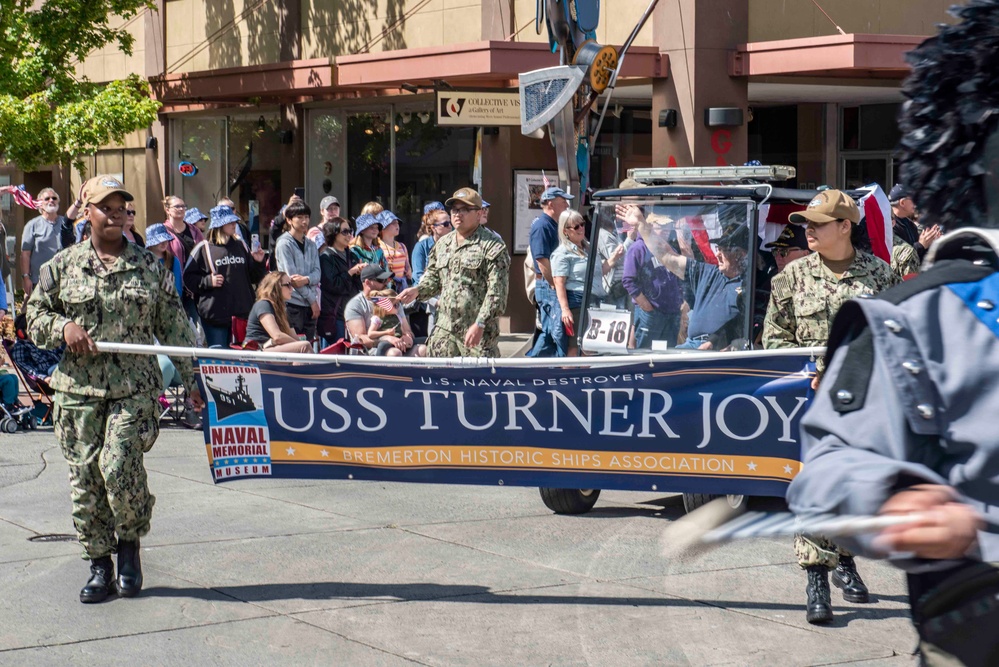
(335,590)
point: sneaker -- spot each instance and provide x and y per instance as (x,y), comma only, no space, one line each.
(16,409)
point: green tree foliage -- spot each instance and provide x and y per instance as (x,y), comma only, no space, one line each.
(47,113)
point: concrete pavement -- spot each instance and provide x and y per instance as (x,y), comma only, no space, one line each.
(273,572)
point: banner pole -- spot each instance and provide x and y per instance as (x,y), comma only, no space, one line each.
(459,362)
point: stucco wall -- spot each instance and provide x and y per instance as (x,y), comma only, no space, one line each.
(787,19)
(617,19)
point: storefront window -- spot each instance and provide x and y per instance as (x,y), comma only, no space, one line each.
(199,142)
(254,170)
(238,157)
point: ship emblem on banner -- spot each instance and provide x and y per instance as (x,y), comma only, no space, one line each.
(236,433)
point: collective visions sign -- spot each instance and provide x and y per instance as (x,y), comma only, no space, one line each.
(478,108)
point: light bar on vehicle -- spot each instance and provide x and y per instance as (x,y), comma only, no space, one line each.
(664,175)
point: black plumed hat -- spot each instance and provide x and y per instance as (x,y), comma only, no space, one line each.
(951,113)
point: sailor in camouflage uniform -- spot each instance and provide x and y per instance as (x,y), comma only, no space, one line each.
(470,270)
(105,415)
(805,298)
(904,259)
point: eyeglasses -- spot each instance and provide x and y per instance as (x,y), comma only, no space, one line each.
(446,223)
(346,231)
(463,211)
(574,228)
(288,284)
(50,199)
(179,207)
(129,212)
(784,252)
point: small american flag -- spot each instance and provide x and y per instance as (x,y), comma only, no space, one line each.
(21,196)
(385,303)
(544,179)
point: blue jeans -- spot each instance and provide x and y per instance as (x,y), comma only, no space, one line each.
(693,343)
(216,336)
(8,388)
(655,325)
(550,314)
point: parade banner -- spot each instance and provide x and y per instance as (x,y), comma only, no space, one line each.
(718,426)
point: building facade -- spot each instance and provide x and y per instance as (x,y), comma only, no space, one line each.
(261,97)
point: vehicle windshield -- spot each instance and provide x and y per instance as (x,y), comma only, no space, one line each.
(670,276)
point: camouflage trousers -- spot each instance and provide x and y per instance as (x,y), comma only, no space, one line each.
(103,441)
(443,343)
(817,550)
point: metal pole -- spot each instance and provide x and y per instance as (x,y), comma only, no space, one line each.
(248,356)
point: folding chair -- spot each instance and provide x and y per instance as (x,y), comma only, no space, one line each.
(38,390)
(238,335)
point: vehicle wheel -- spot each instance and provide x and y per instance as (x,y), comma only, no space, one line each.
(691,501)
(8,425)
(569,501)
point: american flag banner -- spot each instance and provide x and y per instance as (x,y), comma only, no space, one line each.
(876,212)
(21,196)
(544,179)
(385,303)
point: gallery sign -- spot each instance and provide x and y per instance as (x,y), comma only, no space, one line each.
(467,108)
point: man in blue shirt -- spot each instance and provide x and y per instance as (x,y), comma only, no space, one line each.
(544,240)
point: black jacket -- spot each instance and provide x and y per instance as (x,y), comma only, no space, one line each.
(337,286)
(218,305)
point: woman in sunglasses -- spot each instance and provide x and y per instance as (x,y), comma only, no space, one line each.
(128,229)
(568,262)
(267,325)
(436,223)
(340,278)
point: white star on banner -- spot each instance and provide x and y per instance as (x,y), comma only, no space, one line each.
(291,452)
(324,453)
(751,465)
(788,469)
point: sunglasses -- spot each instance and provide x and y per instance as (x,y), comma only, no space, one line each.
(288,284)
(462,211)
(50,199)
(129,212)
(179,206)
(574,228)
(783,252)
(346,232)
(446,223)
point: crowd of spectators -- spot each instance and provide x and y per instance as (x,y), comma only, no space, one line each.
(325,282)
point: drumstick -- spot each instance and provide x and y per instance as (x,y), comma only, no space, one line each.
(717,523)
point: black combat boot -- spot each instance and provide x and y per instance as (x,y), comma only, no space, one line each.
(846,577)
(819,607)
(101,582)
(129,569)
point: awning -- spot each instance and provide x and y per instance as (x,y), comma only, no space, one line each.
(477,63)
(835,56)
(486,64)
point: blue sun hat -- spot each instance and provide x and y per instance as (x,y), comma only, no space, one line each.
(485,204)
(222,215)
(364,221)
(193,216)
(387,217)
(157,234)
(433,206)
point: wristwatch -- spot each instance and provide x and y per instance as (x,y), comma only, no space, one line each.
(25,275)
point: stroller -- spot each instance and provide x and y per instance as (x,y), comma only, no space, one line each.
(21,416)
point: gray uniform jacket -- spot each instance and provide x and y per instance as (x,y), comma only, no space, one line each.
(911,397)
